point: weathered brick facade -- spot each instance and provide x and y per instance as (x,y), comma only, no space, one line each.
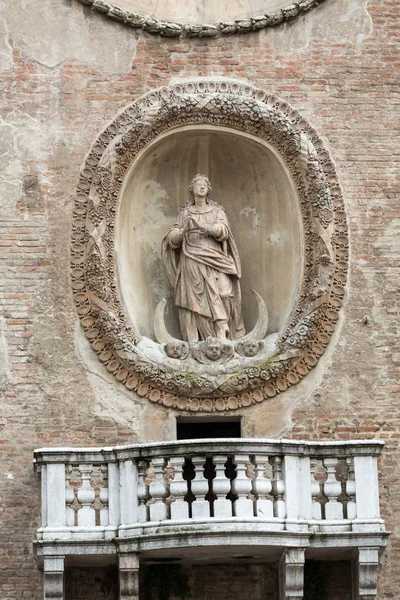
(66,73)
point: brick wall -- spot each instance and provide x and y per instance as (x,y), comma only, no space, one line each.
(60,86)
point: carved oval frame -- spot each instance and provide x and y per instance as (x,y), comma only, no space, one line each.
(172,29)
(240,107)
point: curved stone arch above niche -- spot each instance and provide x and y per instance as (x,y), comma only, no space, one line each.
(208,109)
(209,19)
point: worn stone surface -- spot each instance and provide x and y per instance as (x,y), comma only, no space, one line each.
(61,91)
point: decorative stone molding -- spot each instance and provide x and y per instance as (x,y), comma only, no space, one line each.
(244,109)
(173,29)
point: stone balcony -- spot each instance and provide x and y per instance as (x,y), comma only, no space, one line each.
(211,500)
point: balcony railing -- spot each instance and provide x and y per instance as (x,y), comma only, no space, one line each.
(296,486)
(280,500)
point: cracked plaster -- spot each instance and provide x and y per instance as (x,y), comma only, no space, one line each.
(6,57)
(21,138)
(138,415)
(53,31)
(332,22)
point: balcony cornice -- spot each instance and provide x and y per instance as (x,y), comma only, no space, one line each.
(321,448)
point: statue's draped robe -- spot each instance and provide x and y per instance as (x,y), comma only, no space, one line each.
(205,273)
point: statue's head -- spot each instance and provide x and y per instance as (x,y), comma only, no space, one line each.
(201,186)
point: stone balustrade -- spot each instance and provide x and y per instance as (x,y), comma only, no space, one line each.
(291,485)
(280,500)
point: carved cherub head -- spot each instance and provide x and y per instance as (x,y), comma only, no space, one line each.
(249,348)
(212,350)
(177,349)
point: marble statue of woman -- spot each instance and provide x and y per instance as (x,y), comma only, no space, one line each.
(202,263)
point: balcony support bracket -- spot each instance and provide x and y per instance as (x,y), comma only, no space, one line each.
(53,577)
(365,567)
(291,576)
(128,565)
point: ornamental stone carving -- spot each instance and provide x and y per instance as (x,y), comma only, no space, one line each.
(192,19)
(209,374)
(202,263)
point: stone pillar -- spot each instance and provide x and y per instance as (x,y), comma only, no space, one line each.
(128,566)
(53,567)
(128,478)
(291,575)
(366,478)
(365,569)
(297,494)
(55,495)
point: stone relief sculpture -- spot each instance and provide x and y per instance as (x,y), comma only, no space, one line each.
(202,263)
(212,350)
(177,349)
(249,347)
(248,22)
(214,374)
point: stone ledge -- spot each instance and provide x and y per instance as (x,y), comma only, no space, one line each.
(229,446)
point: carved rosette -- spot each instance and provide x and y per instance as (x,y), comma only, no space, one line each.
(243,108)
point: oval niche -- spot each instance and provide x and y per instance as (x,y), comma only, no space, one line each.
(273,175)
(250,181)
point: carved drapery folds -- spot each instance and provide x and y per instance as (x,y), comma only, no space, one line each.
(245,109)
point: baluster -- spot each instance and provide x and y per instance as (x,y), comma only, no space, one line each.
(262,486)
(201,506)
(332,489)
(278,488)
(221,486)
(158,491)
(351,490)
(142,492)
(104,496)
(86,496)
(241,486)
(69,498)
(315,491)
(178,488)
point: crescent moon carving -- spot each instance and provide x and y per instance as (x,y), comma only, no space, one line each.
(160,331)
(258,332)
